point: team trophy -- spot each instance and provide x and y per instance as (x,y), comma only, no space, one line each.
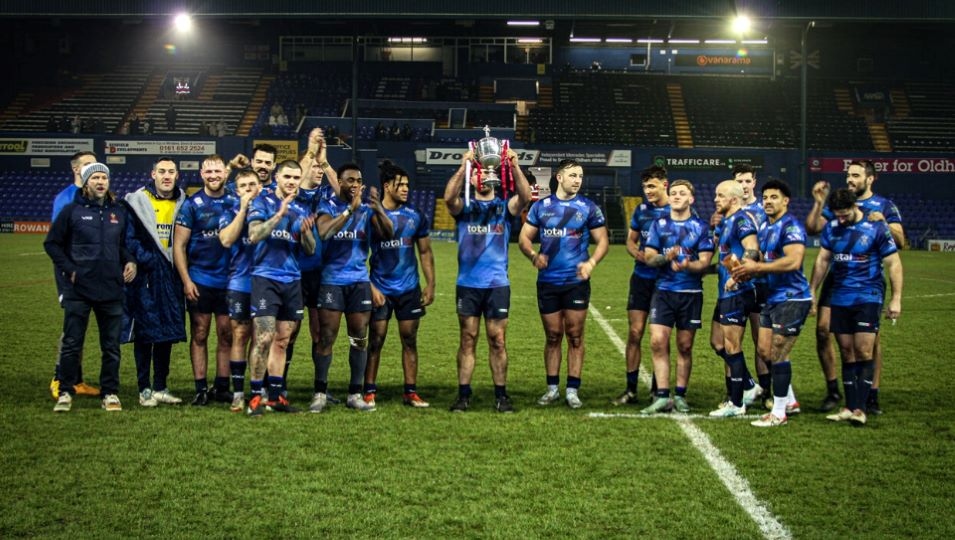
(490,153)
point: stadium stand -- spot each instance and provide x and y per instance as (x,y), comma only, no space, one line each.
(106,97)
(927,121)
(737,112)
(223,96)
(832,122)
(605,108)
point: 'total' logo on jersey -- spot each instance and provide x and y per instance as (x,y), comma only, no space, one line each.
(486,229)
(558,232)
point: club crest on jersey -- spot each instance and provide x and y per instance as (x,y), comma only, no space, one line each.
(113,219)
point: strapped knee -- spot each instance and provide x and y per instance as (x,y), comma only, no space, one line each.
(359,342)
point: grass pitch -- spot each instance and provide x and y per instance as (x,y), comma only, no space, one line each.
(405,473)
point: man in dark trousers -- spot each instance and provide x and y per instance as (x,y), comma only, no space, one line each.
(87,244)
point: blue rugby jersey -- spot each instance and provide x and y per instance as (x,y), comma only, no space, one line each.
(344,255)
(734,229)
(484,228)
(856,263)
(773,238)
(755,211)
(208,259)
(276,256)
(564,231)
(643,217)
(875,203)
(690,237)
(241,253)
(310,198)
(62,199)
(394,266)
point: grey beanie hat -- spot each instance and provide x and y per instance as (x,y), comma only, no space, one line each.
(88,171)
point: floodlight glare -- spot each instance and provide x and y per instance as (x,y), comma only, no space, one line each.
(183,22)
(741,24)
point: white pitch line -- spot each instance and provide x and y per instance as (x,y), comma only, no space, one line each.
(671,416)
(930,295)
(935,279)
(32,254)
(739,488)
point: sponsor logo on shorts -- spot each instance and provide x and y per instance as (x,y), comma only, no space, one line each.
(579,302)
(418,310)
(695,321)
(366,302)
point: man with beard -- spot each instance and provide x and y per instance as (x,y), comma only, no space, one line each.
(344,225)
(565,222)
(860,176)
(63,198)
(483,287)
(280,227)
(154,299)
(262,163)
(737,240)
(87,244)
(783,244)
(395,286)
(857,249)
(203,266)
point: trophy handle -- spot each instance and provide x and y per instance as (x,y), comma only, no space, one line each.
(467,178)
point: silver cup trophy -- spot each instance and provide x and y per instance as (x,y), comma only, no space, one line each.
(488,152)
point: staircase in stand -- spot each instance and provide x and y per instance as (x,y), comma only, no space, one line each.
(255,105)
(681,124)
(880,137)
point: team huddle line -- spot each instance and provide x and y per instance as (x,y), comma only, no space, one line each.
(250,258)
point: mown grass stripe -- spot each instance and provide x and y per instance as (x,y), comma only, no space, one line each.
(738,487)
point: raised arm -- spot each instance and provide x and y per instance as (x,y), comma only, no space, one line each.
(380,220)
(231,233)
(260,230)
(518,202)
(814,221)
(329,226)
(452,191)
(306,236)
(318,151)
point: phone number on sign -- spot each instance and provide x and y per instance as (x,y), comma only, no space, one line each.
(183,148)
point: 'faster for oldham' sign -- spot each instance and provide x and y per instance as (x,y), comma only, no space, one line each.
(885,165)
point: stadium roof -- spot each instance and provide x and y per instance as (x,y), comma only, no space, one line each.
(608,10)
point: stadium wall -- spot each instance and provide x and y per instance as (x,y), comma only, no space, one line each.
(619,167)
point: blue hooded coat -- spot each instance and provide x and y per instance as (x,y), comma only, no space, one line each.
(155,306)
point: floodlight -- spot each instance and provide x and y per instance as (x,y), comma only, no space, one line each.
(741,24)
(183,22)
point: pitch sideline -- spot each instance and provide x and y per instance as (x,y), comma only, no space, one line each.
(768,524)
